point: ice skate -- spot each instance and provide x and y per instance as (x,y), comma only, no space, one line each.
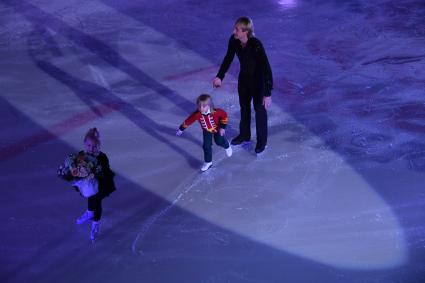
(259,149)
(239,140)
(87,215)
(94,232)
(206,166)
(229,151)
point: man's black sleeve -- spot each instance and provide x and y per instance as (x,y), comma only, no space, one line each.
(230,54)
(265,69)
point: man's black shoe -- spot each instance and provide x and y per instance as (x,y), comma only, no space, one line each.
(239,140)
(259,148)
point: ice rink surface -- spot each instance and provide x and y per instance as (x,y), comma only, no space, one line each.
(339,195)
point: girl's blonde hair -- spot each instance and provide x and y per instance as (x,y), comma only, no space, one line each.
(93,134)
(246,24)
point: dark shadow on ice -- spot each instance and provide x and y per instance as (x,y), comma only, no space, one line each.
(40,18)
(90,92)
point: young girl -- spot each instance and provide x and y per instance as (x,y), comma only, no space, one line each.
(105,180)
(213,122)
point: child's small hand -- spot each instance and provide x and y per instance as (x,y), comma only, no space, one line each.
(179,132)
(221,132)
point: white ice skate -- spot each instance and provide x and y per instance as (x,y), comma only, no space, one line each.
(229,151)
(94,232)
(87,215)
(206,166)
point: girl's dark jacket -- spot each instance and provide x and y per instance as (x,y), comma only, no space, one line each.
(106,179)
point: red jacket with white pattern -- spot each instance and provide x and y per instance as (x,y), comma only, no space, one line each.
(210,122)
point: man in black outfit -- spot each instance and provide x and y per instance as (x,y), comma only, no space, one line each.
(255,81)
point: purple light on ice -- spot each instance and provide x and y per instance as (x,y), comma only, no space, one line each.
(288,4)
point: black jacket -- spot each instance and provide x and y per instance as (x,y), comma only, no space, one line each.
(254,65)
(106,180)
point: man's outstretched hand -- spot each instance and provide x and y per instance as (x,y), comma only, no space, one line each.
(216,82)
(267,101)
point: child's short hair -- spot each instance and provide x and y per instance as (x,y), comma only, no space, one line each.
(93,134)
(202,98)
(246,25)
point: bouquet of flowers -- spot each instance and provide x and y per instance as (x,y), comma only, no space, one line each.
(81,169)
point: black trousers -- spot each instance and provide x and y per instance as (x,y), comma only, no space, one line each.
(250,92)
(94,203)
(207,145)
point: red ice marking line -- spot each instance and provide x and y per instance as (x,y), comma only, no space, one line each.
(57,130)
(188,74)
(411,127)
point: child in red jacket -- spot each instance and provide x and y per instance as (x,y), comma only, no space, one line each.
(213,122)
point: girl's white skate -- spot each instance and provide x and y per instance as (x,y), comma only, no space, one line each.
(206,166)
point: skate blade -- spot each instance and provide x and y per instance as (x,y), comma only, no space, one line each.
(261,153)
(203,171)
(245,143)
